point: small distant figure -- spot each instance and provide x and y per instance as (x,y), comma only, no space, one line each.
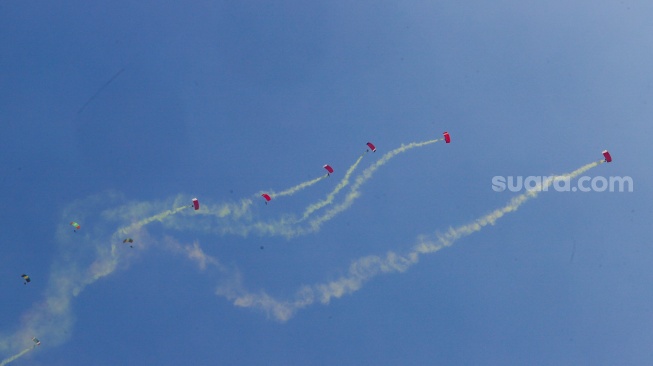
(129,240)
(75,225)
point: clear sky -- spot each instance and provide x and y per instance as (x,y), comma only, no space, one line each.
(112,113)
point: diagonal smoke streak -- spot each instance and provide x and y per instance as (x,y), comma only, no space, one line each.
(292,190)
(194,253)
(366,268)
(287,226)
(77,267)
(241,210)
(360,180)
(53,317)
(16,356)
(329,199)
(157,217)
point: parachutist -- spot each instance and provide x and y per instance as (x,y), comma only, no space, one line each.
(75,226)
(607,156)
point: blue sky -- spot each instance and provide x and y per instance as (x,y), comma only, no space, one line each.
(113,112)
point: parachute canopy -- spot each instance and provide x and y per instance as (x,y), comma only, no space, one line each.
(75,225)
(36,340)
(129,240)
(196,204)
(328,168)
(267,197)
(607,156)
(26,278)
(371,146)
(447,138)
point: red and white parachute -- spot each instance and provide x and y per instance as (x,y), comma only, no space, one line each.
(447,138)
(196,204)
(607,156)
(328,169)
(267,197)
(371,146)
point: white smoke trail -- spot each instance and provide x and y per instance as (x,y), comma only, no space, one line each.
(78,266)
(16,356)
(157,217)
(195,253)
(329,198)
(366,268)
(292,190)
(360,180)
(241,210)
(287,226)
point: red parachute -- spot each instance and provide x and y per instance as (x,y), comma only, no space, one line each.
(607,156)
(447,138)
(329,169)
(196,204)
(267,197)
(371,146)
